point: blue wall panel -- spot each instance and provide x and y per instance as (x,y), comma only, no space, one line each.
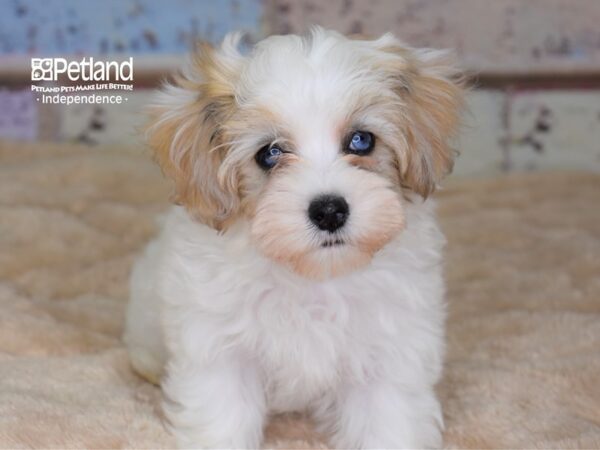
(59,27)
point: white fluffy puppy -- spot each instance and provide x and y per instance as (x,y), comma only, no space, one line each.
(302,269)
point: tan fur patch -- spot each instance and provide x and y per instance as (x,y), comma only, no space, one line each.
(434,93)
(281,229)
(364,162)
(185,134)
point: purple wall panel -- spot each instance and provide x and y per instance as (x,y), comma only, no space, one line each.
(18,114)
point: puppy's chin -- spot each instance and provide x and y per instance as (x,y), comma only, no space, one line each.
(327,260)
(321,263)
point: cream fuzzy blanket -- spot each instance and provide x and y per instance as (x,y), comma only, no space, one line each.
(523,268)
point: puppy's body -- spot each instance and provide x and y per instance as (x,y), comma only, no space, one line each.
(286,344)
(322,291)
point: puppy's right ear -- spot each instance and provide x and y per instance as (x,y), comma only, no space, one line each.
(186,136)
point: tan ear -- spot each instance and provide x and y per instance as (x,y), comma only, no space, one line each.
(432,98)
(435,102)
(185,132)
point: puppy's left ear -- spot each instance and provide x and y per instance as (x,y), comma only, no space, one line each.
(431,88)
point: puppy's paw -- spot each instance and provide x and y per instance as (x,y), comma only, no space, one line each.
(394,439)
(216,406)
(384,417)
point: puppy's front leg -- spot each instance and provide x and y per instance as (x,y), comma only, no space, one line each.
(383,416)
(216,405)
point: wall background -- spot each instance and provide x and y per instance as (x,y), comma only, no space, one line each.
(102,27)
(536,64)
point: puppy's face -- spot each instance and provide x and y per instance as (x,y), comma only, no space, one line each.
(314,141)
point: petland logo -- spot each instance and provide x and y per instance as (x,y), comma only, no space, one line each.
(49,69)
(84,75)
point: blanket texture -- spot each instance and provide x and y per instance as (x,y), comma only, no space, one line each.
(523,270)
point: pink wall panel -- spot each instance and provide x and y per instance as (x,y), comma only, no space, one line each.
(490,36)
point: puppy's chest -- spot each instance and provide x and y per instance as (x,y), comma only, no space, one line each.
(300,343)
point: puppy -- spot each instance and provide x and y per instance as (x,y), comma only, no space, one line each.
(301,270)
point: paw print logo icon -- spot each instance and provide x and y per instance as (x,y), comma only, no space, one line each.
(41,69)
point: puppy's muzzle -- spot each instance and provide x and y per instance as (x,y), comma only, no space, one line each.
(328,212)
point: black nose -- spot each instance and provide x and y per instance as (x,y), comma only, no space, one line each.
(328,212)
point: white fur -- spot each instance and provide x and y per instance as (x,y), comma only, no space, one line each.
(247,336)
(236,334)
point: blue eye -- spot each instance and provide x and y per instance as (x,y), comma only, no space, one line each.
(360,143)
(268,156)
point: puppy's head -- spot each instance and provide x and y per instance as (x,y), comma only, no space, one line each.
(313,140)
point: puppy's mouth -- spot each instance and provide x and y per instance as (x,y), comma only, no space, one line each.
(332,243)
